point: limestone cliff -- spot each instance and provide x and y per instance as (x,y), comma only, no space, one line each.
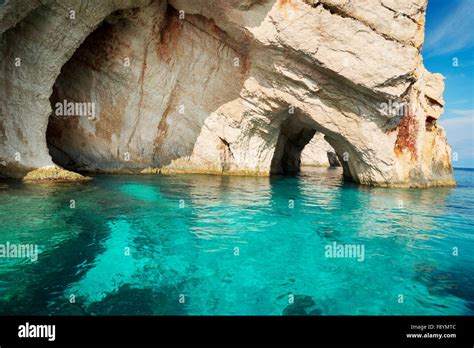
(220,86)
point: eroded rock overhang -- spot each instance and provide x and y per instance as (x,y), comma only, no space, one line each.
(211,86)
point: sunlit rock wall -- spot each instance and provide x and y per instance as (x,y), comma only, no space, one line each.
(223,87)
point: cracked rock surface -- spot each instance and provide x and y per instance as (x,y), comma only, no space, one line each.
(221,87)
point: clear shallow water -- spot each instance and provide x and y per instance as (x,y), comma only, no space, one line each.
(183,231)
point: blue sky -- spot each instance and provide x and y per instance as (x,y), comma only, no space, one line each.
(449,38)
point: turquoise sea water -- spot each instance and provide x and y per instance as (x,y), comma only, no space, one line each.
(210,245)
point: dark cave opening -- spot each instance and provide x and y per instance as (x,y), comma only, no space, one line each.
(291,142)
(73,105)
(299,145)
(58,121)
(293,137)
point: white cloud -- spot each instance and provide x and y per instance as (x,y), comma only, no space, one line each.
(459,101)
(460,132)
(453,33)
(463,123)
(462,112)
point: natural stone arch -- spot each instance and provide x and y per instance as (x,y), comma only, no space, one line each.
(24,100)
(381,149)
(333,63)
(178,73)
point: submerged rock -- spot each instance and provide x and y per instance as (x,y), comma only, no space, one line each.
(302,305)
(220,87)
(127,300)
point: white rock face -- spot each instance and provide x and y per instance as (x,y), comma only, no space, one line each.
(319,153)
(232,87)
(32,53)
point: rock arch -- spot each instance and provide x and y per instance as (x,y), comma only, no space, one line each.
(41,43)
(236,73)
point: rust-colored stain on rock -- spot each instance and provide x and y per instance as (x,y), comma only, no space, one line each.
(283,3)
(162,131)
(406,137)
(286,7)
(107,45)
(241,51)
(168,38)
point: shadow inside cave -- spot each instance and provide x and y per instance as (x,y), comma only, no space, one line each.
(299,138)
(152,85)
